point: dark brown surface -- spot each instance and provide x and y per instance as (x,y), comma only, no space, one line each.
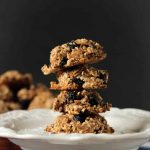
(5,144)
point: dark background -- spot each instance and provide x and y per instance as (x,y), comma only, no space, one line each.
(28,29)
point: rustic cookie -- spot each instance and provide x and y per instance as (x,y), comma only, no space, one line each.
(26,95)
(74,102)
(15,80)
(85,77)
(12,106)
(77,52)
(5,93)
(42,100)
(81,123)
(29,93)
(38,88)
(3,107)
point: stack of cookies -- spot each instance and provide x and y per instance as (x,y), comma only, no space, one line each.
(78,100)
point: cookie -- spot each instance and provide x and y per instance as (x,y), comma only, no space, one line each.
(29,93)
(13,106)
(79,124)
(5,93)
(25,96)
(74,102)
(77,52)
(38,88)
(3,107)
(15,80)
(85,77)
(17,91)
(42,100)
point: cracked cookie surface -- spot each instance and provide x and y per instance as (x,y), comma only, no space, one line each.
(77,52)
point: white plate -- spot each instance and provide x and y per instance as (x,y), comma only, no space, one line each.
(26,129)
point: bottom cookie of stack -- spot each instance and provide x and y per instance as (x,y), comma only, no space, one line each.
(81,123)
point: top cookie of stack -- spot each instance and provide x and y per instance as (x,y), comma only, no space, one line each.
(74,53)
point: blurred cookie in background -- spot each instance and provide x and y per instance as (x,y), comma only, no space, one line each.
(42,100)
(39,94)
(3,107)
(17,91)
(12,106)
(5,93)
(15,80)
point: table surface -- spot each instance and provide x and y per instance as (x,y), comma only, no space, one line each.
(5,144)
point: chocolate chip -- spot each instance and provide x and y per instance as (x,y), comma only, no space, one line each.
(93,100)
(78,81)
(24,104)
(63,61)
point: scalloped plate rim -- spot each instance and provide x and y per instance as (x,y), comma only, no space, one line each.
(69,137)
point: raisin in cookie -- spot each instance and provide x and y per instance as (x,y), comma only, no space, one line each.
(24,94)
(15,80)
(74,102)
(79,124)
(85,77)
(77,52)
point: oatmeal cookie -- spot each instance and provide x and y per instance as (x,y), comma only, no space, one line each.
(13,106)
(85,77)
(79,124)
(25,96)
(38,88)
(74,102)
(42,100)
(5,93)
(15,80)
(3,107)
(77,52)
(29,93)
